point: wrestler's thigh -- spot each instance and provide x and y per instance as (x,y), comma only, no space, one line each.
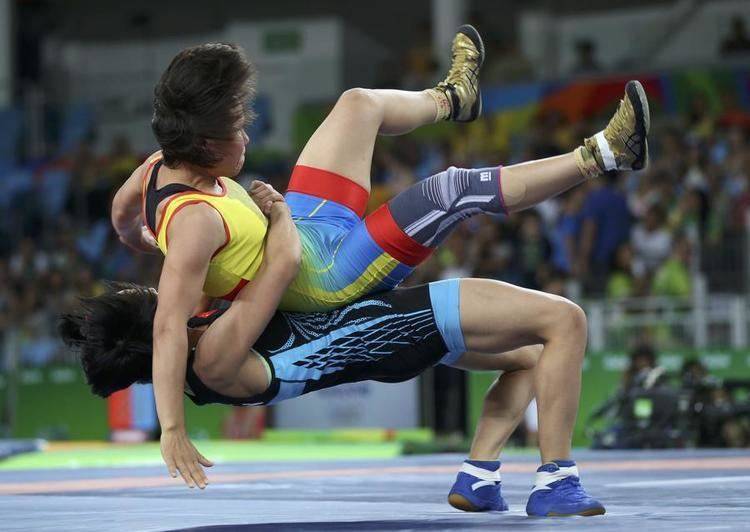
(497,316)
(344,142)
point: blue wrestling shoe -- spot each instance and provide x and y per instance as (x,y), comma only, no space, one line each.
(477,487)
(558,492)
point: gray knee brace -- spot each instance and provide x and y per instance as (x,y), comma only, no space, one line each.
(430,209)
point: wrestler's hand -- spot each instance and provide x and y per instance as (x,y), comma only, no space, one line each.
(264,195)
(180,455)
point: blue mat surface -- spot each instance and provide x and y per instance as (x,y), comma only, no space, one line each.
(670,490)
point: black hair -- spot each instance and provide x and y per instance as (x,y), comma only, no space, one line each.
(112,336)
(692,363)
(203,94)
(644,350)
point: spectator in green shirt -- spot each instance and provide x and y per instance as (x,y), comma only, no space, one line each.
(672,278)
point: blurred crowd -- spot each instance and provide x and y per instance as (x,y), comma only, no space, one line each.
(506,61)
(53,252)
(624,235)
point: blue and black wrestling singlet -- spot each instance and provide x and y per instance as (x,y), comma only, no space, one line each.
(391,337)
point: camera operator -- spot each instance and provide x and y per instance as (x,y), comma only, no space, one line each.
(642,413)
(714,414)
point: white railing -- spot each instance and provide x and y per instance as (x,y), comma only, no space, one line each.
(701,321)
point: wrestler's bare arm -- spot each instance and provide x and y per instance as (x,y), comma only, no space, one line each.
(195,233)
(126,213)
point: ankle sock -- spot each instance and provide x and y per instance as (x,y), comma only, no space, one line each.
(442,104)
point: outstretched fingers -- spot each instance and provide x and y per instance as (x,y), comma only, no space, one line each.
(181,456)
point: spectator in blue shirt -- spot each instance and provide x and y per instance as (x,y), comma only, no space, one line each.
(606,224)
(564,235)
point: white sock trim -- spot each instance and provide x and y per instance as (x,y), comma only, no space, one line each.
(490,476)
(483,483)
(545,478)
(607,156)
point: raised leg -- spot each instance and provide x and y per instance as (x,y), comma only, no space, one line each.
(623,144)
(344,142)
(401,234)
(427,212)
(527,184)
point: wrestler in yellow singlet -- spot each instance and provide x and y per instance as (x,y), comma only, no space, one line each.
(343,256)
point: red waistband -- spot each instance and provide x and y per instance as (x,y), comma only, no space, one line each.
(327,185)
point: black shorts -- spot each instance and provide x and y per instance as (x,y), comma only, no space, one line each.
(389,337)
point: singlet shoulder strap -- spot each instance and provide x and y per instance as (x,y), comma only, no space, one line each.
(155,196)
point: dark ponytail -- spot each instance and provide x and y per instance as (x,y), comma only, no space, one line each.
(112,336)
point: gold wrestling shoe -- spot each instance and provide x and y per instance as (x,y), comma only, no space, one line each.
(461,85)
(623,144)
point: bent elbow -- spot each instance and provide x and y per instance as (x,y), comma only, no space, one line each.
(118,218)
(285,273)
(293,266)
(295,259)
(288,264)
